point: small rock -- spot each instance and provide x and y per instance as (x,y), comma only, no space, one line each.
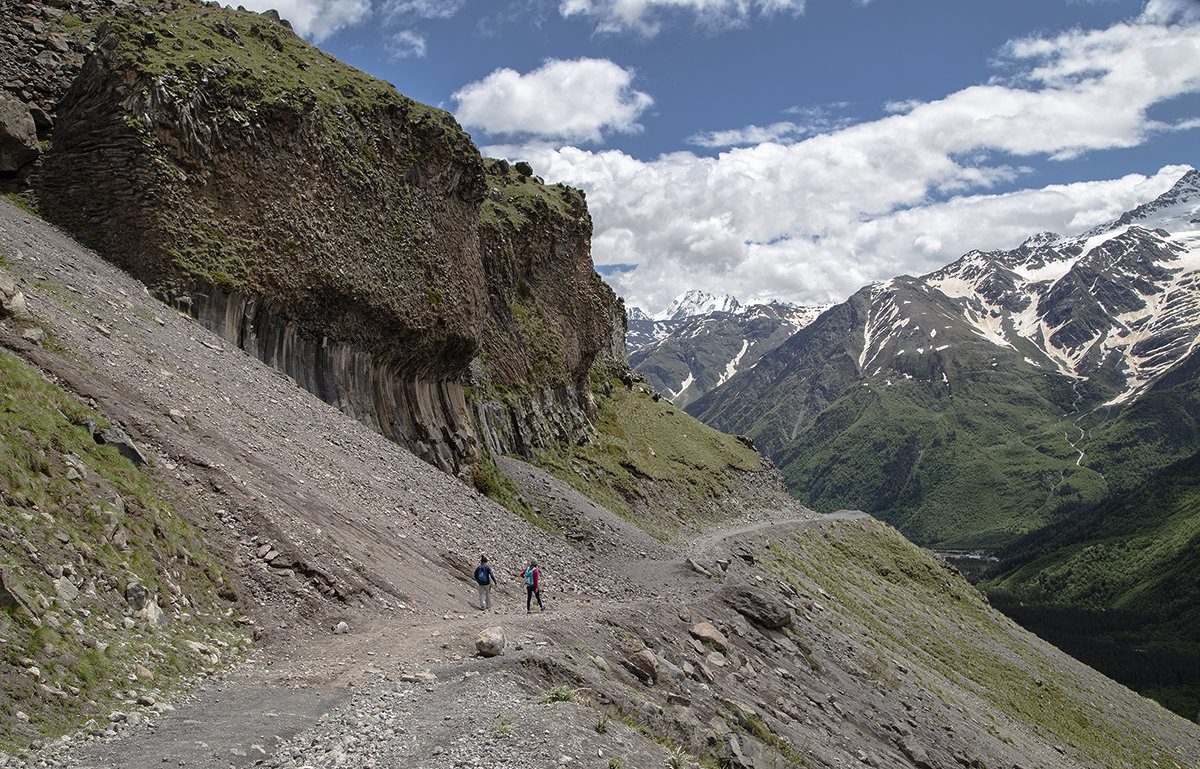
(706,631)
(341,628)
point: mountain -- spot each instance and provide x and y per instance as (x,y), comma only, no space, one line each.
(267,530)
(345,234)
(703,352)
(696,302)
(993,396)
(644,328)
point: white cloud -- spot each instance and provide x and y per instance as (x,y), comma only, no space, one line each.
(315,19)
(421,9)
(404,44)
(813,220)
(567,100)
(643,16)
(749,135)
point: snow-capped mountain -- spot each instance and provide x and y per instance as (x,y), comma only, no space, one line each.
(644,328)
(988,396)
(703,352)
(1125,295)
(695,302)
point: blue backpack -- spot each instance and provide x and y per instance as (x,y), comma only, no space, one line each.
(482,574)
(529,576)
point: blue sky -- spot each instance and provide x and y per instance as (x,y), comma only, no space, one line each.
(799,149)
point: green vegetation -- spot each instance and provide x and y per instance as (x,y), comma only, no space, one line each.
(875,577)
(514,199)
(63,501)
(503,727)
(1115,586)
(559,693)
(975,471)
(495,485)
(547,360)
(260,60)
(202,72)
(647,452)
(26,201)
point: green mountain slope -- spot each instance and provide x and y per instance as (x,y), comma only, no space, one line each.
(957,442)
(1116,586)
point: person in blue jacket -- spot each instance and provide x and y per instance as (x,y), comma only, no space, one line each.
(485,578)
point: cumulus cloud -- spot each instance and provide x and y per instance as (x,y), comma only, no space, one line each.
(576,100)
(815,218)
(644,16)
(315,19)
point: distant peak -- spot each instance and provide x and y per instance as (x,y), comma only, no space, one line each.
(1175,209)
(697,302)
(1041,239)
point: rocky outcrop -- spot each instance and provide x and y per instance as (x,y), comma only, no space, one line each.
(335,229)
(42,47)
(18,135)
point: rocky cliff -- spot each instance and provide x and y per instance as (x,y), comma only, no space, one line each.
(341,232)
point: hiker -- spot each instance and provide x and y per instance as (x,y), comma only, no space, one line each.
(533,586)
(485,578)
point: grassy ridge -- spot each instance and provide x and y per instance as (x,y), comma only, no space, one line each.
(651,462)
(954,644)
(974,464)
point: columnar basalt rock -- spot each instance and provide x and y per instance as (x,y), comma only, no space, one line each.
(340,232)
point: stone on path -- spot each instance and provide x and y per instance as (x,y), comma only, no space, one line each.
(491,641)
(706,631)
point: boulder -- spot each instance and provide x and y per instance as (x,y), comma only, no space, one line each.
(742,753)
(12,301)
(18,135)
(706,632)
(114,436)
(760,607)
(646,662)
(491,642)
(137,596)
(65,589)
(10,598)
(154,615)
(743,551)
(916,753)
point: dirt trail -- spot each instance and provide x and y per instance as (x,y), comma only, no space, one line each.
(242,719)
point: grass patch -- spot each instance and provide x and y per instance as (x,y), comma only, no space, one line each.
(652,463)
(559,693)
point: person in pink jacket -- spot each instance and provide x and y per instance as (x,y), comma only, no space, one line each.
(533,586)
